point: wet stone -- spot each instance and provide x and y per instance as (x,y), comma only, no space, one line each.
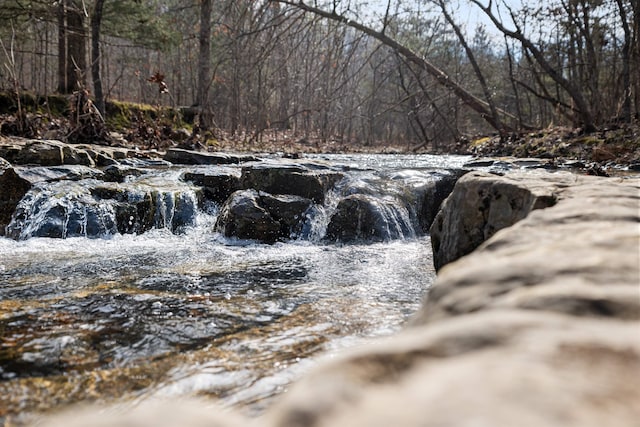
(290,179)
(254,215)
(217,183)
(188,157)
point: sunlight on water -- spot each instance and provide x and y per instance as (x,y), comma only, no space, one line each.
(192,313)
(125,317)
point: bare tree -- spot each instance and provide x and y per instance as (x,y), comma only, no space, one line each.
(626,60)
(496,122)
(473,102)
(574,92)
(204,54)
(72,46)
(96,21)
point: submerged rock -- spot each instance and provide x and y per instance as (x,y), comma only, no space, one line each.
(254,215)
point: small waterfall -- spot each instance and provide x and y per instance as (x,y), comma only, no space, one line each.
(370,206)
(93,209)
(397,219)
(364,206)
(63,209)
(175,210)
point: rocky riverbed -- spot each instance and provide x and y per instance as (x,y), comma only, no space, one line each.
(533,320)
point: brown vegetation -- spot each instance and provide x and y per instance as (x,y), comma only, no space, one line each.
(75,120)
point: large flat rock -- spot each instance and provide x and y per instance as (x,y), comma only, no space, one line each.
(494,368)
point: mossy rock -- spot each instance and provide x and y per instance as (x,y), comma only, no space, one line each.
(56,105)
(9,102)
(121,115)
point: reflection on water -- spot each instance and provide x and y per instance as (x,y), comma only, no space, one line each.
(130,317)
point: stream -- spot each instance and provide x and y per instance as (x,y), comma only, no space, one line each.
(126,317)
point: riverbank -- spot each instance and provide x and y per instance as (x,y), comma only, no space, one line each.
(143,127)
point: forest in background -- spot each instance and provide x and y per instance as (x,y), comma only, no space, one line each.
(409,72)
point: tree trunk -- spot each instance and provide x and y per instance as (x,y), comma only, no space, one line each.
(204,53)
(204,63)
(626,64)
(62,48)
(96,20)
(72,47)
(635,56)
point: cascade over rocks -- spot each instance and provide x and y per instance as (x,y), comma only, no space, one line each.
(139,208)
(75,214)
(360,217)
(16,182)
(134,208)
(409,208)
(70,209)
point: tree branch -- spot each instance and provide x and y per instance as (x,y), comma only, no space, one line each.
(473,102)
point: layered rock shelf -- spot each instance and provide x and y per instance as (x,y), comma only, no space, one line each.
(52,189)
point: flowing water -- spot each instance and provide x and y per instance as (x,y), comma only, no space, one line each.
(182,310)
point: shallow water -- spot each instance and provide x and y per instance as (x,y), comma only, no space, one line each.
(127,317)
